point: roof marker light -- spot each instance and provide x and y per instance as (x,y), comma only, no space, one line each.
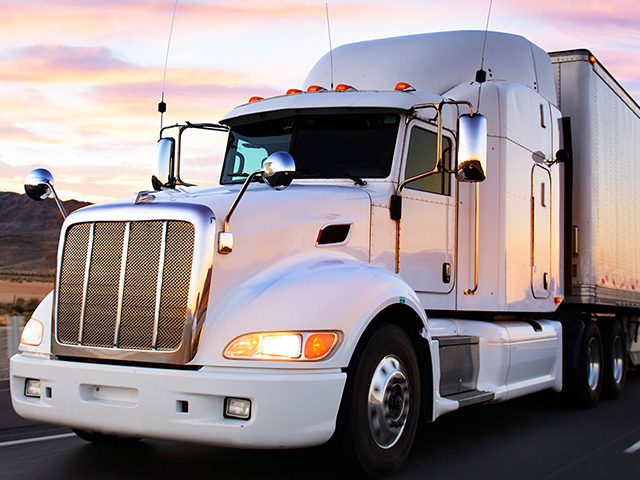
(255,99)
(345,88)
(592,59)
(404,87)
(292,91)
(316,88)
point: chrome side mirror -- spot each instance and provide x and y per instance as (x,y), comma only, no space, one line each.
(39,186)
(277,171)
(472,148)
(164,167)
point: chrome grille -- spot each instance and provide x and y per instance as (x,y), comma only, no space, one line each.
(125,284)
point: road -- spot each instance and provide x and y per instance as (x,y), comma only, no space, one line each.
(530,438)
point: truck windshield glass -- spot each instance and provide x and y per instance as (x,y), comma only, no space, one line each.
(323,146)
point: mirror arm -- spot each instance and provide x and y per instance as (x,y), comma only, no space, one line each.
(238,197)
(63,212)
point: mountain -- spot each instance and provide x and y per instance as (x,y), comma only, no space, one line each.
(29,233)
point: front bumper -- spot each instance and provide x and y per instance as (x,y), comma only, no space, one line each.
(290,409)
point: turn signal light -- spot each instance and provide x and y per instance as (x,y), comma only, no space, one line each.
(316,88)
(318,345)
(255,99)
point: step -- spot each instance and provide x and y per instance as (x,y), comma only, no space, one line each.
(472,397)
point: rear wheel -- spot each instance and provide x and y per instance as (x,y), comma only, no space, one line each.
(615,360)
(589,376)
(381,403)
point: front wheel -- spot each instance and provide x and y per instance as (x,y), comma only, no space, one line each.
(381,403)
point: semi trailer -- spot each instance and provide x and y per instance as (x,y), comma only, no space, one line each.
(419,237)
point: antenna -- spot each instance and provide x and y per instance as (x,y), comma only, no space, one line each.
(330,47)
(162,107)
(481,75)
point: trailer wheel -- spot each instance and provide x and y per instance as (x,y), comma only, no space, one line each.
(101,438)
(590,372)
(615,360)
(381,403)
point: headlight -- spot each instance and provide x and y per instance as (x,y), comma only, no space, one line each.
(282,346)
(32,333)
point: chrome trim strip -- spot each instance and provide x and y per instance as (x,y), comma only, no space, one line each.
(156,315)
(123,267)
(85,286)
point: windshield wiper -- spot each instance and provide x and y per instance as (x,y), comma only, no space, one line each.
(357,180)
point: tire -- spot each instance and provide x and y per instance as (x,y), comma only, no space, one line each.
(381,404)
(615,360)
(102,439)
(588,378)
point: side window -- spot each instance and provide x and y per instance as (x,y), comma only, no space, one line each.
(422,157)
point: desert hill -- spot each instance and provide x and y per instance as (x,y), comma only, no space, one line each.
(29,233)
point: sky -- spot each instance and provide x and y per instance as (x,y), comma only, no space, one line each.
(80,80)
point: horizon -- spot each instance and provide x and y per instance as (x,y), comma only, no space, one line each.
(80,83)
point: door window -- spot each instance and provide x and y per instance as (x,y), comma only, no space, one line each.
(422,157)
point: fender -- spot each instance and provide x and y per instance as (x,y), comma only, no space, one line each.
(304,293)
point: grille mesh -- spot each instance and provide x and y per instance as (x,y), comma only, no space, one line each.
(114,302)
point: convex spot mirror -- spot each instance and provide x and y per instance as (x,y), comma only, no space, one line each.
(38,184)
(472,148)
(278,170)
(163,170)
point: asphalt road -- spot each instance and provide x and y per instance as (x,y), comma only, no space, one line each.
(530,438)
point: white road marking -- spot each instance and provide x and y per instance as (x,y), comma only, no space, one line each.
(37,439)
(633,448)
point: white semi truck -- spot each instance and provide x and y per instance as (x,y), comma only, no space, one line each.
(415,239)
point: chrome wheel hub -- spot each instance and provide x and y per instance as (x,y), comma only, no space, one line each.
(594,363)
(388,403)
(618,359)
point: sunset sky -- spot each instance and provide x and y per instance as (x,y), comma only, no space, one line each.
(80,79)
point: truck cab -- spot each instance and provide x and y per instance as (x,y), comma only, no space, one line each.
(378,252)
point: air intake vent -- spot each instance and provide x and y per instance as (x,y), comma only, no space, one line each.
(125,285)
(333,234)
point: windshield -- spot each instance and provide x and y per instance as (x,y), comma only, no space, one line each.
(322,145)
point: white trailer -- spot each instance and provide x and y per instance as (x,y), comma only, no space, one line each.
(379,252)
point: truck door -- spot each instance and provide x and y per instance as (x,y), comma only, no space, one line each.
(427,228)
(541,232)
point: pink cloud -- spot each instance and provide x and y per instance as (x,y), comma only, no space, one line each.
(12,133)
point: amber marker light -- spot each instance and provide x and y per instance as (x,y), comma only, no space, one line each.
(316,88)
(557,299)
(404,87)
(293,91)
(592,59)
(318,345)
(255,99)
(344,88)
